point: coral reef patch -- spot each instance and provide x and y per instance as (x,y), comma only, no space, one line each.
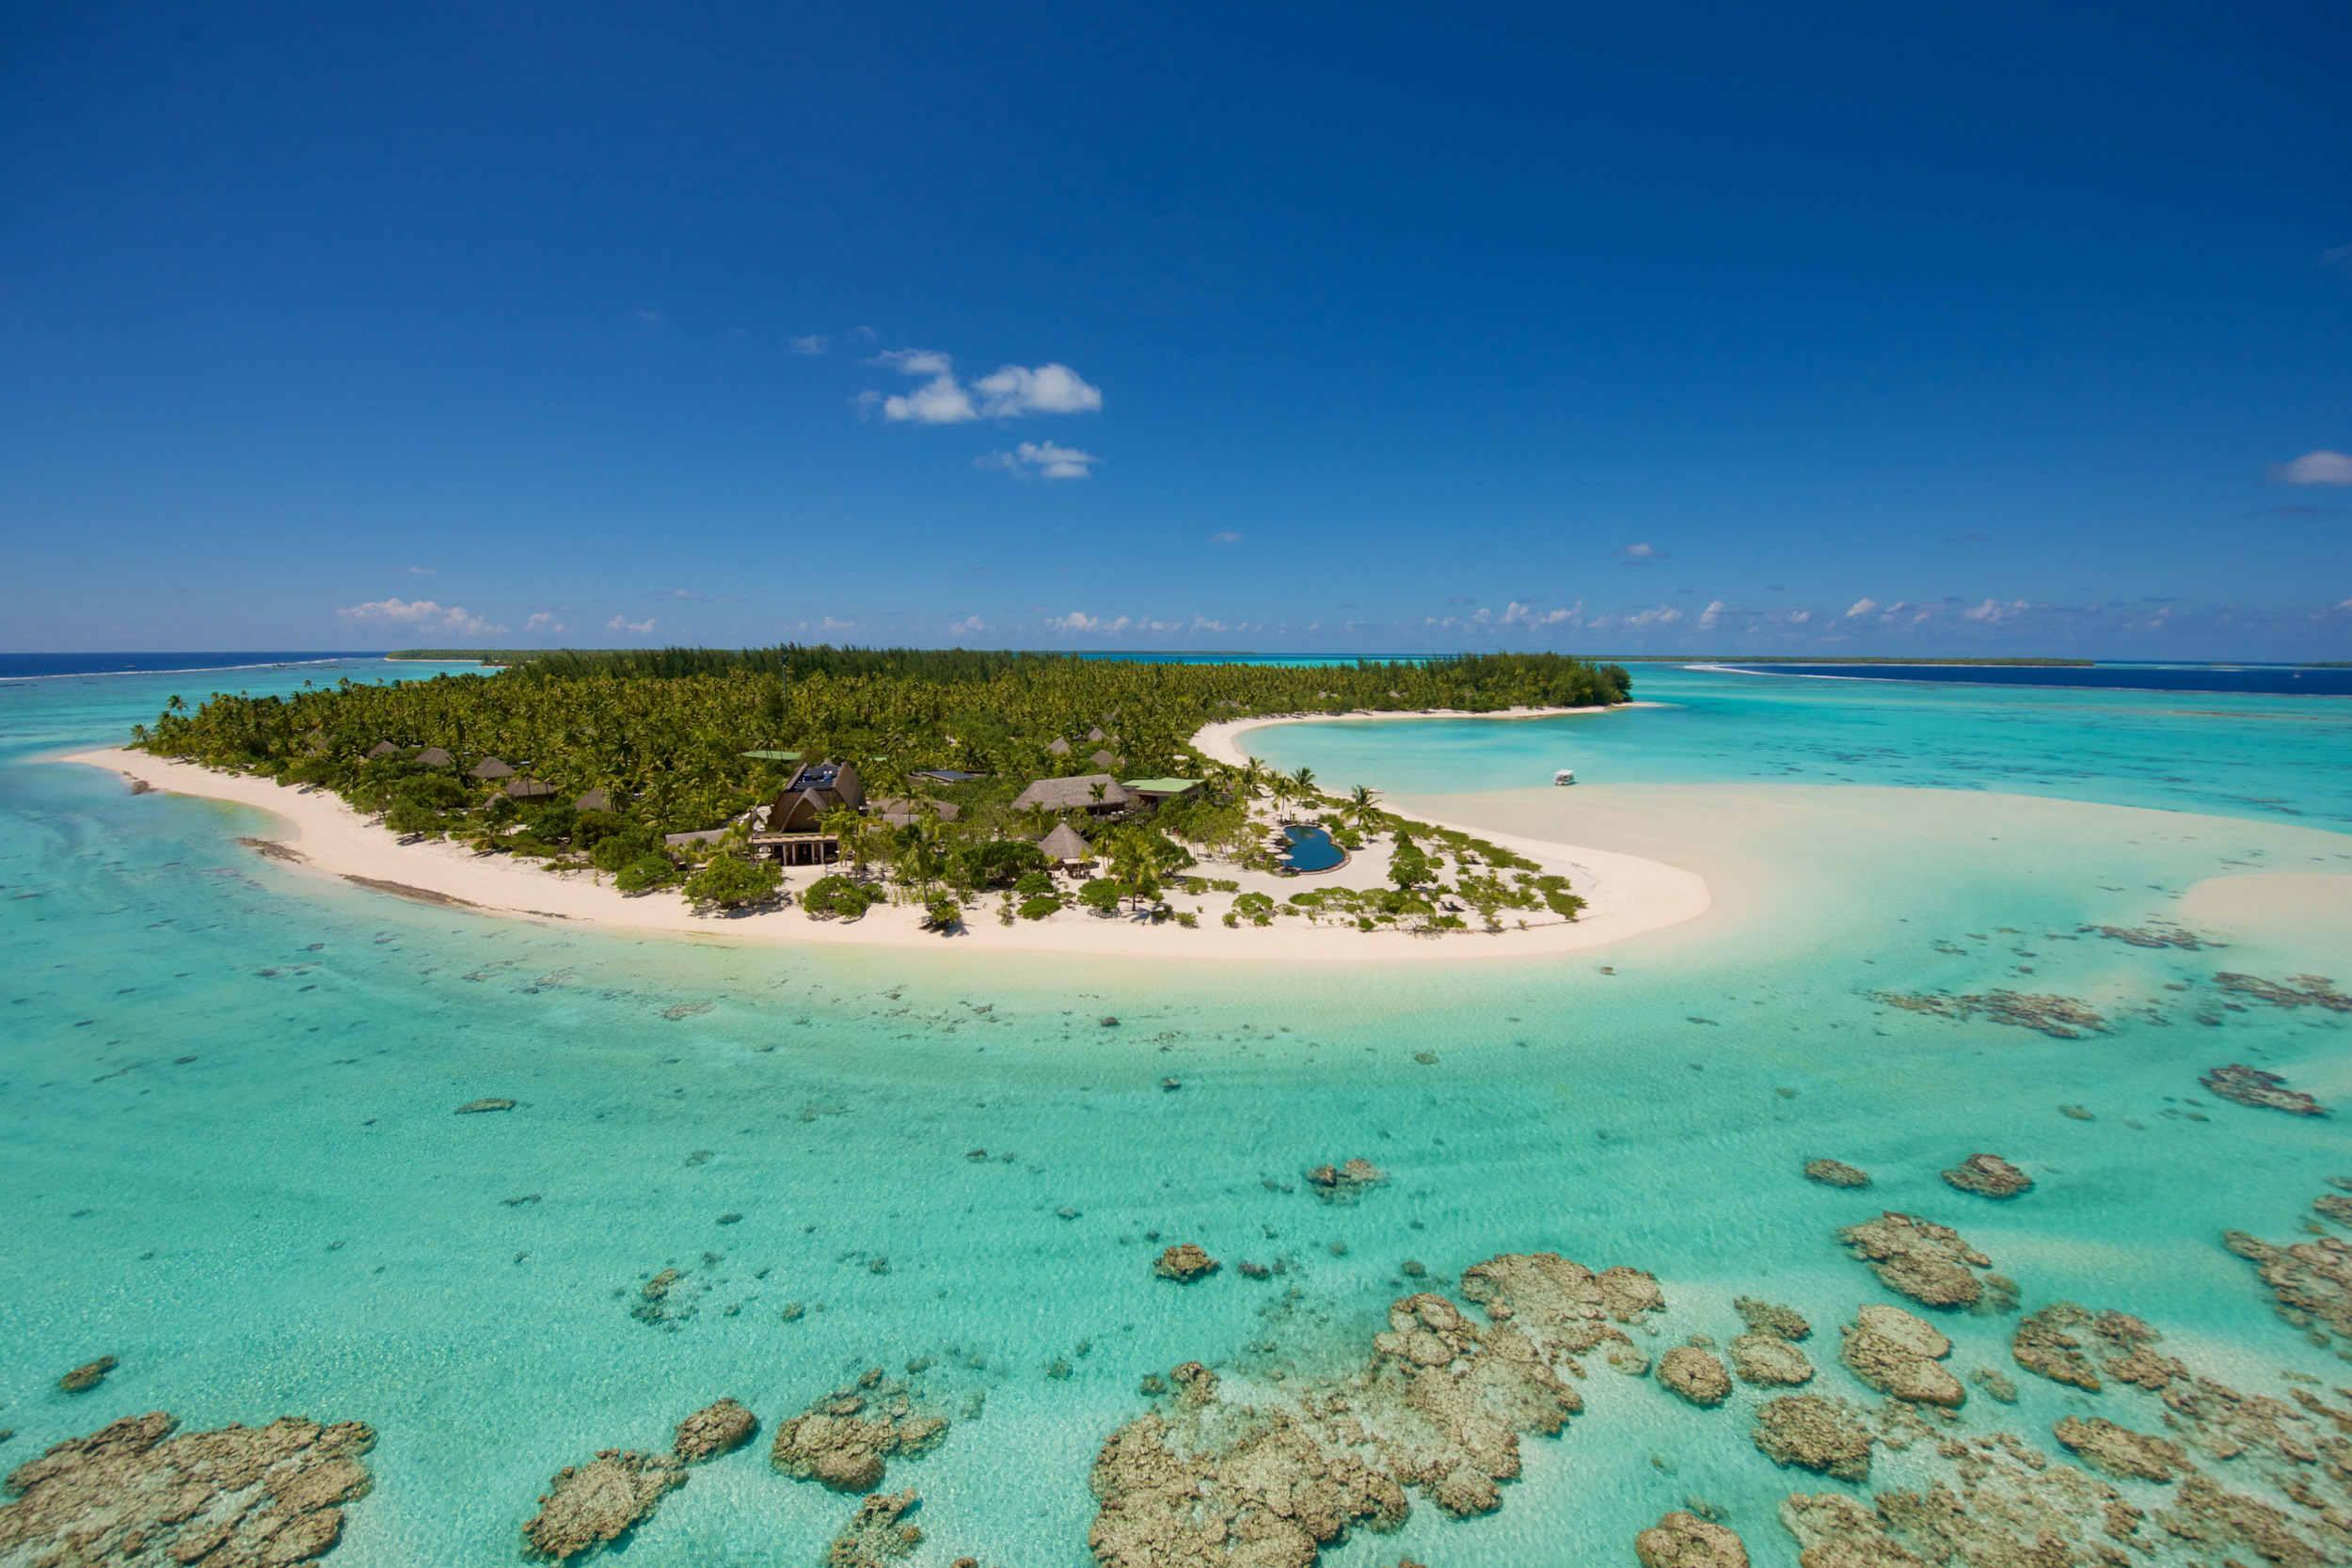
(590,1504)
(714,1430)
(1928,1262)
(2250,1085)
(875,1533)
(241,1496)
(2063,1018)
(1987,1176)
(1835,1173)
(844,1439)
(1898,1353)
(1687,1541)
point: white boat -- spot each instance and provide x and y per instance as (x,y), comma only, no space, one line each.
(1566,776)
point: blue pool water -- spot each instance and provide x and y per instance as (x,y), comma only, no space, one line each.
(1312,850)
(228,1157)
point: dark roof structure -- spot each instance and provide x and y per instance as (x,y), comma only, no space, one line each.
(815,788)
(532,792)
(489,767)
(595,799)
(382,749)
(1058,747)
(946,775)
(1101,759)
(433,757)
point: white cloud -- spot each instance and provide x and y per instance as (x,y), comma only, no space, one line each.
(1078,620)
(1016,389)
(419,571)
(938,401)
(1800,617)
(1010,393)
(1202,623)
(1864,607)
(640,627)
(1712,613)
(815,342)
(1639,555)
(1042,459)
(1661,616)
(2316,467)
(1992,609)
(542,621)
(970,623)
(1517,614)
(419,615)
(1225,537)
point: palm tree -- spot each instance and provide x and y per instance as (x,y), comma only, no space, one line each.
(1305,782)
(1362,808)
(848,828)
(1251,778)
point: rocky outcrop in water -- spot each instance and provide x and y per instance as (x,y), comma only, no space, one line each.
(1835,1173)
(2121,1451)
(1185,1262)
(1695,1376)
(876,1533)
(844,1439)
(88,1375)
(2299,991)
(1987,1176)
(2311,1279)
(1823,1434)
(1344,1182)
(1898,1353)
(2011,1509)
(1919,1259)
(1768,1361)
(2048,1343)
(589,1505)
(1211,1484)
(475,1107)
(2250,1085)
(1687,1541)
(717,1429)
(1770,1316)
(2061,1016)
(237,1497)
(1439,1408)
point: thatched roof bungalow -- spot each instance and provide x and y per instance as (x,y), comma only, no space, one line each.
(595,799)
(1057,747)
(532,792)
(488,768)
(1077,793)
(381,749)
(899,813)
(433,757)
(1063,846)
(813,789)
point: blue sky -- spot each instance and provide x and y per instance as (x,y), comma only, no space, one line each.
(1678,327)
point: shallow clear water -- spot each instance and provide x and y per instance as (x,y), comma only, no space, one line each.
(292,1219)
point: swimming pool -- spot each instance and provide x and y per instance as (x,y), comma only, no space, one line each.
(1312,850)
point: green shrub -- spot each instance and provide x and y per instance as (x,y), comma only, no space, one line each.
(1038,909)
(412,818)
(1101,895)
(646,873)
(592,828)
(942,915)
(838,897)
(1034,884)
(1254,903)
(729,881)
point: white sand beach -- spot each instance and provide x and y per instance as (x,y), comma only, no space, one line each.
(317,833)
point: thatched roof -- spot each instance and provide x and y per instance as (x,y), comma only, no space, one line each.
(899,813)
(489,767)
(595,799)
(1101,759)
(1096,734)
(1063,844)
(1058,747)
(433,757)
(1072,794)
(382,749)
(532,790)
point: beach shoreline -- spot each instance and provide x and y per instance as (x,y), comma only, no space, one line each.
(1626,895)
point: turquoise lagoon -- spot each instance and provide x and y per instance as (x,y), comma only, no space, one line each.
(229,1156)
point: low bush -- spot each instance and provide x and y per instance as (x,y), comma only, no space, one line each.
(644,874)
(728,881)
(1038,909)
(1101,895)
(839,897)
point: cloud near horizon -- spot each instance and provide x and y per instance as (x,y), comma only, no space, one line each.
(2316,467)
(641,628)
(419,615)
(1639,555)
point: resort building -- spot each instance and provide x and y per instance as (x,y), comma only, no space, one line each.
(595,799)
(813,789)
(899,813)
(1097,793)
(532,792)
(488,768)
(1151,792)
(433,757)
